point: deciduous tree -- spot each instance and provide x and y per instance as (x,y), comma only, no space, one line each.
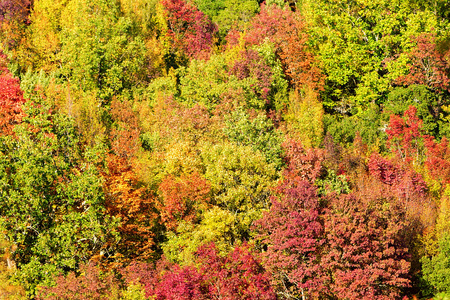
(286,30)
(292,233)
(366,253)
(91,284)
(51,197)
(427,65)
(11,100)
(190,31)
(183,198)
(238,275)
(127,200)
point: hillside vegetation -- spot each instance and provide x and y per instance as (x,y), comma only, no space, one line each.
(224,149)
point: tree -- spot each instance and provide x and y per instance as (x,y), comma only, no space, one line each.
(335,246)
(233,77)
(427,65)
(217,225)
(292,234)
(229,14)
(98,49)
(93,284)
(365,253)
(286,30)
(436,269)
(304,117)
(406,138)
(240,182)
(355,42)
(8,289)
(251,65)
(14,19)
(184,283)
(428,103)
(43,34)
(301,163)
(15,10)
(438,160)
(183,198)
(132,204)
(238,275)
(258,132)
(188,29)
(51,197)
(125,131)
(407,187)
(11,100)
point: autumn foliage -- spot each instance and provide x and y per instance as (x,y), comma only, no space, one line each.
(287,31)
(15,10)
(91,285)
(366,251)
(428,66)
(239,275)
(11,100)
(190,30)
(338,247)
(405,136)
(134,206)
(183,199)
(125,132)
(301,163)
(224,149)
(294,235)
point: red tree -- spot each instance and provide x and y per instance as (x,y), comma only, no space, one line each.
(182,283)
(237,276)
(301,163)
(407,140)
(166,280)
(365,251)
(405,185)
(405,136)
(91,285)
(293,234)
(11,100)
(438,160)
(190,30)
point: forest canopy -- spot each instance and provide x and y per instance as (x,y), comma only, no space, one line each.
(224,149)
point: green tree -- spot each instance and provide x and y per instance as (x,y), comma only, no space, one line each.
(98,49)
(258,133)
(217,225)
(436,270)
(51,197)
(355,39)
(229,14)
(240,181)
